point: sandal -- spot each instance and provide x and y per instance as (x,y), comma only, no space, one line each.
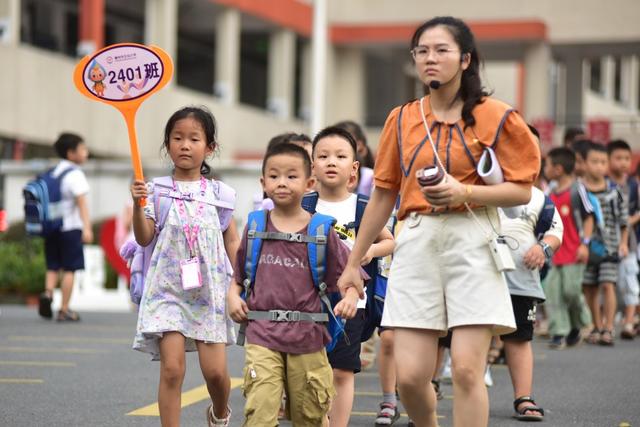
(212,421)
(628,332)
(606,338)
(436,388)
(44,306)
(594,336)
(527,413)
(387,415)
(67,316)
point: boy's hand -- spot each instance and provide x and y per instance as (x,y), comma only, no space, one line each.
(237,307)
(623,250)
(582,256)
(534,258)
(351,278)
(348,305)
(138,190)
(366,259)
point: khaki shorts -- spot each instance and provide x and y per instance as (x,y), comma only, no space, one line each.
(306,378)
(443,275)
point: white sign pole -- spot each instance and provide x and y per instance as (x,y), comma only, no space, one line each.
(319,66)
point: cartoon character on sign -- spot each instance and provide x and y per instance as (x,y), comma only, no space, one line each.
(97,74)
(125,87)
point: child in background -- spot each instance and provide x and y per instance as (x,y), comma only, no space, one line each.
(364,184)
(287,355)
(63,249)
(603,274)
(565,304)
(183,305)
(334,164)
(619,167)
(531,254)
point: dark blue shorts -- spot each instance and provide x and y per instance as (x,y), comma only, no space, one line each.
(347,356)
(63,251)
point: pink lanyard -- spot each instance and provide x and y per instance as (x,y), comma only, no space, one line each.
(190,230)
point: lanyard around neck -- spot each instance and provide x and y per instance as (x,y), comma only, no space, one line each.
(190,230)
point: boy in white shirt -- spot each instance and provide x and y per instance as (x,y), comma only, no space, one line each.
(63,248)
(334,164)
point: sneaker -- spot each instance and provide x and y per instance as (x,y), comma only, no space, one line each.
(574,337)
(387,415)
(44,306)
(628,332)
(557,342)
(212,421)
(410,423)
(488,379)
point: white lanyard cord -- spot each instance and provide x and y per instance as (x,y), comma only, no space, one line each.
(437,157)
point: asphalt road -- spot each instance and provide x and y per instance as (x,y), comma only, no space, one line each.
(86,374)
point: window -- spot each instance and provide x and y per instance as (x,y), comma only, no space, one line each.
(254,64)
(595,75)
(617,79)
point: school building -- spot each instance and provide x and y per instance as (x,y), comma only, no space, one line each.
(560,63)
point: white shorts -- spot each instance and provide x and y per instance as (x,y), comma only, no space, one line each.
(628,286)
(443,275)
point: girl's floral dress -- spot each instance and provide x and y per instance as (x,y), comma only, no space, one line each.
(199,314)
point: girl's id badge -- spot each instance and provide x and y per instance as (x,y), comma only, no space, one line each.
(190,273)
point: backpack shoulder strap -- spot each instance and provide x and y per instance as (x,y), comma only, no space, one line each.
(319,228)
(256,223)
(225,195)
(310,201)
(161,200)
(63,173)
(361,205)
(545,218)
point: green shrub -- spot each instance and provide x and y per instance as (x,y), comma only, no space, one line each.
(22,266)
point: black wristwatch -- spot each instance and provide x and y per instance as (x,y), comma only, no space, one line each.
(548,252)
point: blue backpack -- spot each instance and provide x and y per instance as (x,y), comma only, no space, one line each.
(377,285)
(43,203)
(316,239)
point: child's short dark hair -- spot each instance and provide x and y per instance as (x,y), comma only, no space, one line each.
(288,137)
(292,149)
(358,133)
(594,146)
(203,116)
(65,142)
(336,131)
(618,144)
(564,157)
(571,133)
(581,147)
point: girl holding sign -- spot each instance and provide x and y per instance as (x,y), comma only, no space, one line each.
(189,219)
(446,271)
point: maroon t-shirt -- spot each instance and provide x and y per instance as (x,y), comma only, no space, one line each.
(284,282)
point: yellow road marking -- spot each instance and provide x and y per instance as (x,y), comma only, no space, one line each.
(20,381)
(624,424)
(189,397)
(49,350)
(72,339)
(376,394)
(36,363)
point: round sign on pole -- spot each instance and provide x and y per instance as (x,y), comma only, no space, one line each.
(123,76)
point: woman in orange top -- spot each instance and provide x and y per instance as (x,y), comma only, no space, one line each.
(443,275)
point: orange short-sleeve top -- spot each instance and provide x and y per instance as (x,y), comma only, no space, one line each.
(404,148)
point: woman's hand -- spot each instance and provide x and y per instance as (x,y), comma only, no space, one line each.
(351,278)
(449,193)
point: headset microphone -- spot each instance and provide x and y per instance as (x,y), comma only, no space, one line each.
(435,84)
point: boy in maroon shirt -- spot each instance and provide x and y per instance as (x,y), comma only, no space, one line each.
(288,355)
